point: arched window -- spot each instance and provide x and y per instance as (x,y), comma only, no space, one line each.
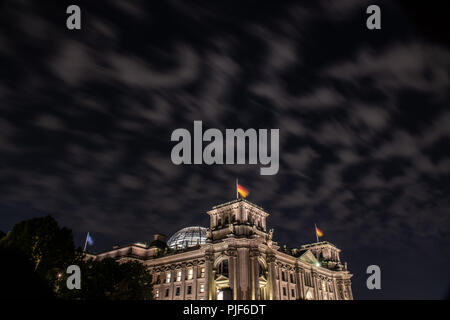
(226,220)
(190,274)
(261,270)
(222,268)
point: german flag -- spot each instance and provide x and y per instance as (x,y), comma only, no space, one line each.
(319,232)
(242,191)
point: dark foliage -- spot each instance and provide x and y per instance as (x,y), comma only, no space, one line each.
(34,258)
(18,279)
(109,280)
(47,247)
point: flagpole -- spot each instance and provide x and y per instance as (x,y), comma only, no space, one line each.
(237,194)
(315,231)
(85,242)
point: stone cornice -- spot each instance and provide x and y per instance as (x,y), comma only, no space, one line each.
(177,258)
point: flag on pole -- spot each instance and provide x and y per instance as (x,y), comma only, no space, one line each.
(89,240)
(319,232)
(242,191)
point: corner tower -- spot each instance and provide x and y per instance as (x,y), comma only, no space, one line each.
(240,219)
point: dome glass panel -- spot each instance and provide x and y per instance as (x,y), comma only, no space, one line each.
(187,237)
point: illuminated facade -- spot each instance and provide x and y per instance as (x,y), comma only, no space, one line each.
(236,258)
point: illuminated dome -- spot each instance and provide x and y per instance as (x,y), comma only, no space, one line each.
(187,237)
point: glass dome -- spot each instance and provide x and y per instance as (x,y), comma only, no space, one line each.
(187,237)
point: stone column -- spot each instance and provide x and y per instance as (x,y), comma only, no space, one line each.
(299,284)
(251,270)
(194,281)
(316,285)
(254,272)
(335,289)
(171,284)
(271,288)
(349,289)
(243,264)
(210,288)
(280,278)
(341,288)
(338,289)
(183,280)
(232,274)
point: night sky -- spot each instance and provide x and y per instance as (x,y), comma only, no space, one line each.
(86,119)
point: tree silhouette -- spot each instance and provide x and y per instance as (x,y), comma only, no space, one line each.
(44,244)
(35,255)
(109,280)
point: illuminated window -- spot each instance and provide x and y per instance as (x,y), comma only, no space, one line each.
(168,275)
(190,274)
(202,272)
(157,293)
(179,275)
(202,288)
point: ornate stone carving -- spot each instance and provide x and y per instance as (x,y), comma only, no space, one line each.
(270,234)
(270,258)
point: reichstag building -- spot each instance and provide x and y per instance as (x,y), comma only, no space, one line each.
(236,258)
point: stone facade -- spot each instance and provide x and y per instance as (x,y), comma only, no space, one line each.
(241,261)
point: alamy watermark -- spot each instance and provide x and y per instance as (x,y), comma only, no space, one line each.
(373,22)
(374,281)
(222,151)
(74,280)
(73,21)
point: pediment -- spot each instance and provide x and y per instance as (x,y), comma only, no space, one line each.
(309,257)
(221,277)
